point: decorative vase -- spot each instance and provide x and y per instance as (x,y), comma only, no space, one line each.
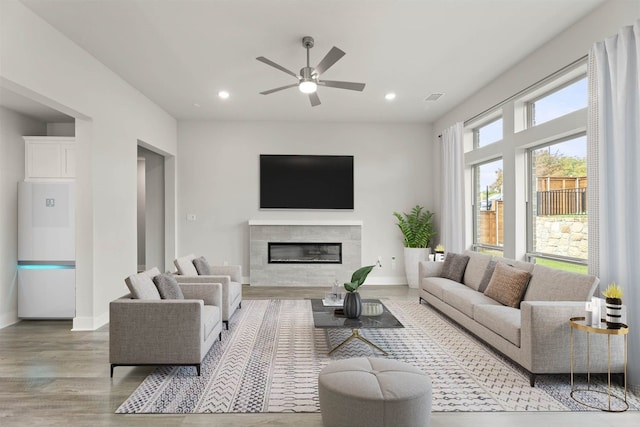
(352,305)
(614,313)
(412,257)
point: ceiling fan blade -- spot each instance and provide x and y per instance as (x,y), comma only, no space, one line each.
(342,85)
(274,65)
(267,92)
(315,100)
(330,58)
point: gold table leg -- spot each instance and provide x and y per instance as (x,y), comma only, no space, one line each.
(355,335)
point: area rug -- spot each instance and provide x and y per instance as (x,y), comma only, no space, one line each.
(269,360)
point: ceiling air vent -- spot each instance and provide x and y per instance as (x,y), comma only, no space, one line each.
(433,97)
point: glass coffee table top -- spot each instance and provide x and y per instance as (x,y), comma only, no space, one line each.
(325,317)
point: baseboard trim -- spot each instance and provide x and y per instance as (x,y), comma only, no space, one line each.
(9,319)
(90,323)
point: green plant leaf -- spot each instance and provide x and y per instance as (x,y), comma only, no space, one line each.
(416,227)
(358,277)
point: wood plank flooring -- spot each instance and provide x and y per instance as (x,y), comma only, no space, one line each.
(50,376)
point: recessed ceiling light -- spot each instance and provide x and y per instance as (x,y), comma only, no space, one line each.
(390,96)
(195,104)
(223,94)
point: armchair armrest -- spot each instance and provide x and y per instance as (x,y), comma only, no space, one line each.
(158,331)
(233,271)
(209,293)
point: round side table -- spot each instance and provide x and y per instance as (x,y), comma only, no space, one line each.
(580,324)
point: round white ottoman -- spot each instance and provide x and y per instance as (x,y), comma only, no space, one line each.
(370,392)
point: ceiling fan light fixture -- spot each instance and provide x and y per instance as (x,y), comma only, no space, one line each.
(308,86)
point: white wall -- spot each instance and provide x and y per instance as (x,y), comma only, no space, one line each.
(111,117)
(13,127)
(218,180)
(567,47)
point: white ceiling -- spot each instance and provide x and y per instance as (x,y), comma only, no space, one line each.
(183,52)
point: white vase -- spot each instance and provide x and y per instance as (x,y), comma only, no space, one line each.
(412,257)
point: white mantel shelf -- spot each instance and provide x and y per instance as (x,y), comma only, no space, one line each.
(304,222)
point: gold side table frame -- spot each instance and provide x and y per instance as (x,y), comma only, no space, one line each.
(578,323)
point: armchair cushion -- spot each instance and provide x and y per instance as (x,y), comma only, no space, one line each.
(202,266)
(168,286)
(142,287)
(185,265)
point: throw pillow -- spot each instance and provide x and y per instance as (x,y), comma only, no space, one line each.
(507,285)
(202,266)
(454,266)
(141,287)
(486,278)
(168,286)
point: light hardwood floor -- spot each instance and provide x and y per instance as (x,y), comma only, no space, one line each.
(50,376)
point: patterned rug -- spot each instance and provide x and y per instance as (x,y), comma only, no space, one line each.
(269,360)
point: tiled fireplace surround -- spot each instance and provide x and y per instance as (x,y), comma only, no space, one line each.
(261,232)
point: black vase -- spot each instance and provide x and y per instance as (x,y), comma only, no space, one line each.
(352,305)
(614,313)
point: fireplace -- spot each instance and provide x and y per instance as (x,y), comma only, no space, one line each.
(304,253)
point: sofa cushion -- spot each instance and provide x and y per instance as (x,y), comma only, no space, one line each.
(504,321)
(454,266)
(168,286)
(202,266)
(211,316)
(464,299)
(507,285)
(185,265)
(436,285)
(486,277)
(141,287)
(476,268)
(550,284)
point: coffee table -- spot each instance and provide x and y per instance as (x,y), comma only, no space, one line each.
(324,317)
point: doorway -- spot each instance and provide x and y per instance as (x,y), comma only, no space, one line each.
(151,210)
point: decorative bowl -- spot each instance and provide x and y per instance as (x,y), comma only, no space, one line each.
(371,309)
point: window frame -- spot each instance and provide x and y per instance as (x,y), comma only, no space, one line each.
(531,254)
(475,130)
(476,245)
(529,104)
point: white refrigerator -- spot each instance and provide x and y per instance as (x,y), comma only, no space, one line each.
(46,250)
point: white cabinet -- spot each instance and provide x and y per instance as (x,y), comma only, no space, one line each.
(49,158)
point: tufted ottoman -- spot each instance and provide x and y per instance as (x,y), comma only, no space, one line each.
(369,392)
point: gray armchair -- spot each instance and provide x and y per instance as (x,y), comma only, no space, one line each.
(230,276)
(147,330)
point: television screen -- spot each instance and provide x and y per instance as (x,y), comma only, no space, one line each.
(306,182)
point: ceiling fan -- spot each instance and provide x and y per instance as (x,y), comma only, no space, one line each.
(308,80)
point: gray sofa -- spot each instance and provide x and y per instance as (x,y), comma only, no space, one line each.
(535,335)
(147,330)
(229,276)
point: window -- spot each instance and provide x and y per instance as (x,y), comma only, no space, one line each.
(558,233)
(488,212)
(561,101)
(487,133)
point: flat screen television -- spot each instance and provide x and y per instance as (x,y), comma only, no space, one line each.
(306,182)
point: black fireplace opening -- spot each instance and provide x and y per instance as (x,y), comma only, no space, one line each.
(304,253)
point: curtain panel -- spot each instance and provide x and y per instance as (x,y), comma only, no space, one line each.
(616,116)
(452,189)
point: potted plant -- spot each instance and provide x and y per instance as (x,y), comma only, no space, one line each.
(613,295)
(418,230)
(352,304)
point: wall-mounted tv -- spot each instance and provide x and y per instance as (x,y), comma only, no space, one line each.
(306,182)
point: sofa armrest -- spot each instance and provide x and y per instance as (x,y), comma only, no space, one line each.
(429,269)
(158,331)
(546,339)
(210,293)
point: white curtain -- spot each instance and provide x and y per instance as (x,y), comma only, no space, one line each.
(452,190)
(617,133)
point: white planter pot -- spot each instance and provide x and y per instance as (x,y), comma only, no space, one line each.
(413,256)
